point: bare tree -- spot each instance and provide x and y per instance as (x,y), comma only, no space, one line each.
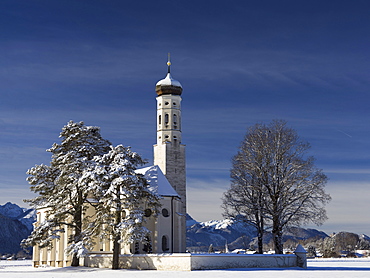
(245,200)
(273,182)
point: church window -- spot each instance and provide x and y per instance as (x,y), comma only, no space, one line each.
(160,119)
(174,119)
(166,136)
(166,103)
(165,212)
(137,250)
(165,244)
(166,118)
(147,212)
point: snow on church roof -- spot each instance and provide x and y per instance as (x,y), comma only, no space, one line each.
(157,181)
(168,81)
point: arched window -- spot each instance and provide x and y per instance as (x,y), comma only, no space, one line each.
(174,119)
(137,249)
(166,119)
(160,119)
(165,244)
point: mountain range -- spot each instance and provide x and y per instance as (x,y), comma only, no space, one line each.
(16,223)
(236,235)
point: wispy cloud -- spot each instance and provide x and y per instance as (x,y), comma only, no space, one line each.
(205,204)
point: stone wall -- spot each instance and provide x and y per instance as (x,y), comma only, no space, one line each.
(188,262)
(226,261)
(175,261)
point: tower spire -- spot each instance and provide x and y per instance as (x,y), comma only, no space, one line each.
(168,85)
(169,152)
(169,63)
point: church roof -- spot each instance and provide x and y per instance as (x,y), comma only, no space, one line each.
(168,81)
(158,181)
(168,85)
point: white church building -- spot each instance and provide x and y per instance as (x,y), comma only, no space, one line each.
(168,230)
(167,177)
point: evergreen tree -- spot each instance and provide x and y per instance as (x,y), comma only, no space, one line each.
(122,198)
(311,251)
(60,189)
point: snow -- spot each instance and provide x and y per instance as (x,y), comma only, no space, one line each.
(218,224)
(328,268)
(157,181)
(228,224)
(300,249)
(169,81)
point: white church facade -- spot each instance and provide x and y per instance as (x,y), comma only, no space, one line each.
(167,177)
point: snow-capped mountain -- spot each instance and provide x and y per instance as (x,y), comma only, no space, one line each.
(15,225)
(200,235)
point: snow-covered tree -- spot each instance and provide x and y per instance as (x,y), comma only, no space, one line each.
(342,242)
(364,242)
(121,198)
(211,249)
(311,251)
(59,188)
(276,183)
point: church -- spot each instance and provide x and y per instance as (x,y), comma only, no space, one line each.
(167,177)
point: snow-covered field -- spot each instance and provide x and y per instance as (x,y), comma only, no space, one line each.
(328,268)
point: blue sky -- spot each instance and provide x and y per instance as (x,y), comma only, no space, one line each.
(240,62)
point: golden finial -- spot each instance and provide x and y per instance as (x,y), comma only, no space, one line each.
(169,62)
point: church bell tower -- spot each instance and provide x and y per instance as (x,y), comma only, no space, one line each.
(169,152)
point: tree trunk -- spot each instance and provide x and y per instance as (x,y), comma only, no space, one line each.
(116,252)
(278,240)
(117,236)
(260,242)
(260,231)
(77,234)
(75,260)
(260,225)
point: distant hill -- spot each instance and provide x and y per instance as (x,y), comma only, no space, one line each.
(15,225)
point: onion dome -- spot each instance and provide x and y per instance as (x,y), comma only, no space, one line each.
(168,85)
